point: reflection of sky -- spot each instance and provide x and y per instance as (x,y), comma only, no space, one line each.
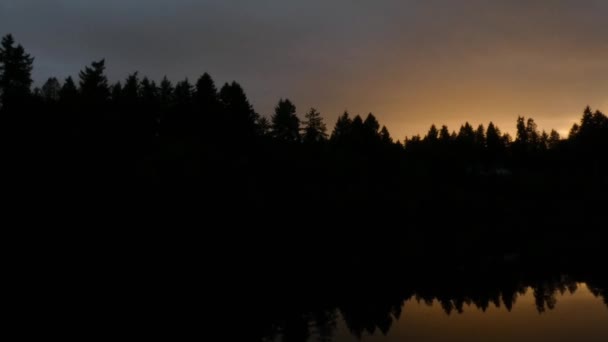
(411,62)
(576,317)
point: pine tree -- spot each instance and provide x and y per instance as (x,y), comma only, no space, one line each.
(68,95)
(50,90)
(314,127)
(433,135)
(371,127)
(385,136)
(94,88)
(130,92)
(554,139)
(205,96)
(240,116)
(522,134)
(342,129)
(285,123)
(480,137)
(444,135)
(15,74)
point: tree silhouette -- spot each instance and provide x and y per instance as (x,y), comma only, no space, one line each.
(285,123)
(166,92)
(50,90)
(94,88)
(264,126)
(385,136)
(94,96)
(314,127)
(206,96)
(68,102)
(493,137)
(432,137)
(533,137)
(241,118)
(554,139)
(183,98)
(207,103)
(466,135)
(371,128)
(480,137)
(357,130)
(342,128)
(522,133)
(15,74)
(444,135)
(150,109)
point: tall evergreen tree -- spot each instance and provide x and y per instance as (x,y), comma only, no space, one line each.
(15,73)
(466,135)
(554,139)
(342,128)
(50,90)
(207,116)
(371,127)
(285,123)
(494,140)
(68,95)
(263,125)
(357,130)
(206,96)
(166,100)
(183,94)
(532,133)
(480,136)
(522,133)
(94,88)
(150,107)
(574,131)
(239,113)
(166,92)
(314,127)
(444,135)
(433,135)
(130,92)
(587,120)
(385,136)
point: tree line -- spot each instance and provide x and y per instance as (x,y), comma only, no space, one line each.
(147,110)
(193,132)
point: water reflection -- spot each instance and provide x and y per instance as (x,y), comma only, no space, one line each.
(551,307)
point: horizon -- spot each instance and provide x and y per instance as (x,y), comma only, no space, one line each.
(410,63)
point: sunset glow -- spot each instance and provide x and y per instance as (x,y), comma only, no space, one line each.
(411,63)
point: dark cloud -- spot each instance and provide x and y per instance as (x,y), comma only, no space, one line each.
(410,62)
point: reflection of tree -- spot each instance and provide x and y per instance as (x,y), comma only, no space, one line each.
(376,311)
(369,315)
(599,288)
(509,295)
(544,297)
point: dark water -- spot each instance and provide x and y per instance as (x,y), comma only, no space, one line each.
(574,313)
(563,298)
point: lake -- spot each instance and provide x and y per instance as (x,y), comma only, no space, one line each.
(576,315)
(493,306)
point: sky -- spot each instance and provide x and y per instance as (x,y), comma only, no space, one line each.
(412,63)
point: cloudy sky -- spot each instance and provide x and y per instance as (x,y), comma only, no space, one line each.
(410,62)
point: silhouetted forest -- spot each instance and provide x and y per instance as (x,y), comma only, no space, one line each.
(201,151)
(280,189)
(195,147)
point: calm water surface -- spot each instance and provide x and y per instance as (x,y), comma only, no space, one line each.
(573,313)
